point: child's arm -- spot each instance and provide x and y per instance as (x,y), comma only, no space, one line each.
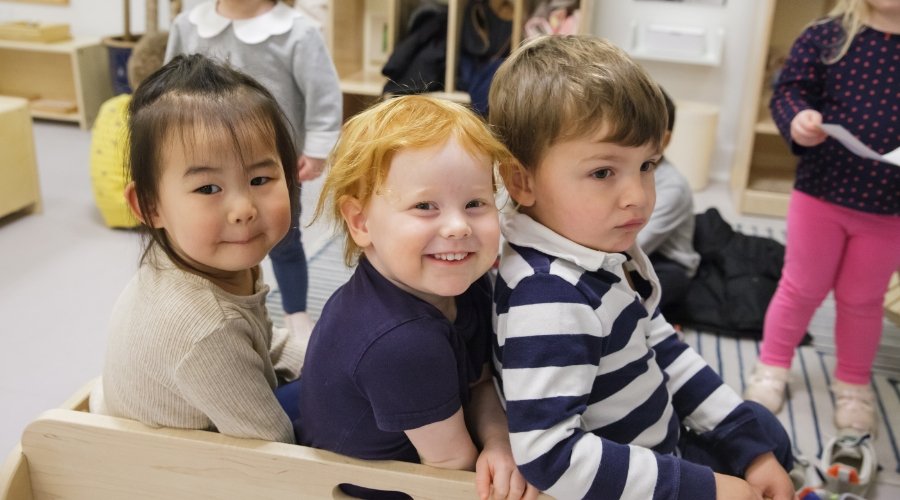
(551,339)
(223,377)
(674,204)
(496,473)
(445,444)
(768,477)
(799,87)
(705,403)
(317,79)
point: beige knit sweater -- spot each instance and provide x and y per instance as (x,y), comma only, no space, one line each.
(184,353)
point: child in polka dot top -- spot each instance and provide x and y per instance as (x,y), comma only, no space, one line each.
(843,222)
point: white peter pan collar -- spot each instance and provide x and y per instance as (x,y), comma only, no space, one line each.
(276,21)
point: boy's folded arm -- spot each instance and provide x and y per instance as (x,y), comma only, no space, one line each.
(705,403)
(547,379)
(567,462)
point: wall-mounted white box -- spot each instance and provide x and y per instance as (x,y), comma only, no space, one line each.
(680,44)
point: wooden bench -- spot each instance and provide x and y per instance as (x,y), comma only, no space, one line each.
(69,453)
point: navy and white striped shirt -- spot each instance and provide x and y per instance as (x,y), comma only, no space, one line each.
(595,382)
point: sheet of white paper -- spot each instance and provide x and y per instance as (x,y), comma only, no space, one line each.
(857,147)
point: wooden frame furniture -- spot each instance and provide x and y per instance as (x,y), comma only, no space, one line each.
(65,81)
(19,189)
(69,453)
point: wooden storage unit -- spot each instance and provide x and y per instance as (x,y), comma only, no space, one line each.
(362,34)
(764,169)
(65,81)
(18,167)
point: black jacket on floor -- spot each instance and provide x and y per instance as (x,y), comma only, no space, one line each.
(737,277)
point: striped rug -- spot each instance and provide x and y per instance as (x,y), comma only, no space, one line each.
(807,414)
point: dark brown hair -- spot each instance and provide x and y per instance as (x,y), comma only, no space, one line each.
(193,98)
(557,88)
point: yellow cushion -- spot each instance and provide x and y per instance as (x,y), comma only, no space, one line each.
(109,145)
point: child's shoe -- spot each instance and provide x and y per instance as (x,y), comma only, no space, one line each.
(854,407)
(823,494)
(849,463)
(805,476)
(766,386)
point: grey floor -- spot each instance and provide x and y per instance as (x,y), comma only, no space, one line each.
(61,271)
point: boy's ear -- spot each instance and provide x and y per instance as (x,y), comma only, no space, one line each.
(132,199)
(520,185)
(354,214)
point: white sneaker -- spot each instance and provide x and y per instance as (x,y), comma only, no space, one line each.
(849,463)
(854,408)
(766,386)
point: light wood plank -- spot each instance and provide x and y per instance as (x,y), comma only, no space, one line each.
(77,455)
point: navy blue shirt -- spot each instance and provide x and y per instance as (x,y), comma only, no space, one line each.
(381,361)
(861,91)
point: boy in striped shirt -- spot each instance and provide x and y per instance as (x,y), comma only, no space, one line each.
(603,399)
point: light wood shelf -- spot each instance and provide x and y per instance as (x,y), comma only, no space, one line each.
(74,71)
(361,34)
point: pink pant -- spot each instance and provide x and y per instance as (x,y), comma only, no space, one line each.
(833,247)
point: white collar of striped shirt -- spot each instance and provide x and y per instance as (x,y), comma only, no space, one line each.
(520,229)
(276,21)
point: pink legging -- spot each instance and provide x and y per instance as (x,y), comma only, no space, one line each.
(833,247)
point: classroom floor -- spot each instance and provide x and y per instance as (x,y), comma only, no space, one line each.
(61,271)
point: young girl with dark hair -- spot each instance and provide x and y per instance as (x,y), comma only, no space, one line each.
(191,346)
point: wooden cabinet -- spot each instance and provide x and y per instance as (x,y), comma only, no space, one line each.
(18,167)
(361,35)
(764,169)
(65,81)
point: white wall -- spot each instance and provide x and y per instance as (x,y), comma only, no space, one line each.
(724,86)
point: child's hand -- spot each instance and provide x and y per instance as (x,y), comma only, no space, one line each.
(767,476)
(309,168)
(496,474)
(734,488)
(806,128)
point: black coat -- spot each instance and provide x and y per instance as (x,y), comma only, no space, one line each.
(737,277)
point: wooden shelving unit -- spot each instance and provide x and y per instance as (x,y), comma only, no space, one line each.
(19,190)
(361,35)
(71,75)
(764,169)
